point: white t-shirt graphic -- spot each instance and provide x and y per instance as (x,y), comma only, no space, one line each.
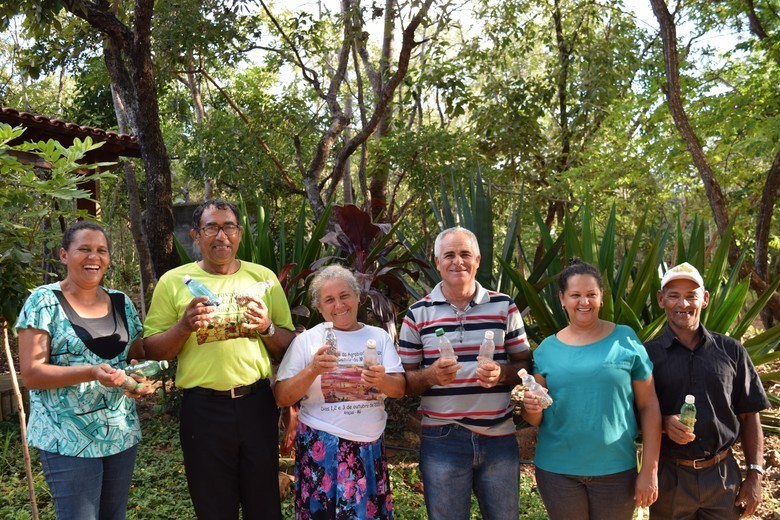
(339,403)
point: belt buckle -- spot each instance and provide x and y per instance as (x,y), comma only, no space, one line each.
(696,461)
(233,394)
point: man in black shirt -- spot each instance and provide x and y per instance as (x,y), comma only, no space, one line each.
(698,476)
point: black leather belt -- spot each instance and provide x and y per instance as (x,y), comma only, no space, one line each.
(233,393)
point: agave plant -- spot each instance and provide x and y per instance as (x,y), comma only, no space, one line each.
(628,289)
(473,210)
(631,284)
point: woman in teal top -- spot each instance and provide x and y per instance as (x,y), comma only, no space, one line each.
(75,337)
(597,373)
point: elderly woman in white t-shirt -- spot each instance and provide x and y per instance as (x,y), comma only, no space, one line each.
(340,467)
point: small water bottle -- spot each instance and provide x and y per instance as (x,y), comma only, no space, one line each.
(487,349)
(535,388)
(370,356)
(257,291)
(331,340)
(198,289)
(688,412)
(445,347)
(147,368)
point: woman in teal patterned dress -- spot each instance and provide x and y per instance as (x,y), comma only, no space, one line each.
(75,337)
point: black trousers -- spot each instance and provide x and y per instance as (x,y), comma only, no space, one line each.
(697,494)
(231,455)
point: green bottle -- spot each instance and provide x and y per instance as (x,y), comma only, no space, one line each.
(445,347)
(146,368)
(688,412)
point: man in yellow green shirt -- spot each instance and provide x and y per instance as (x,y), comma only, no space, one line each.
(229,432)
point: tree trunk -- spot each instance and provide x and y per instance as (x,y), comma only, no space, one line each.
(674,99)
(711,186)
(347,191)
(564,57)
(384,100)
(128,58)
(763,227)
(381,167)
(148,279)
(200,115)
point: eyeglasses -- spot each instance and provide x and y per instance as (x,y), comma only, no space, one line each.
(212,230)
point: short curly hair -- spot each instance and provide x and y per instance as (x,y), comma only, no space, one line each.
(197,214)
(327,274)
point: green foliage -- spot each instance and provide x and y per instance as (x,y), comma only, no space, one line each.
(379,261)
(631,283)
(92,103)
(207,33)
(32,201)
(226,149)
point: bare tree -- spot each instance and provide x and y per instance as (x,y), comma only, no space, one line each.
(319,190)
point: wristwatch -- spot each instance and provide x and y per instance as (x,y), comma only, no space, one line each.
(270,331)
(756,467)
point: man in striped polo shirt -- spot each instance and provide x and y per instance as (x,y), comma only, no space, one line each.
(468,436)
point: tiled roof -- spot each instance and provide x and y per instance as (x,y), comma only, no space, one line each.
(44,128)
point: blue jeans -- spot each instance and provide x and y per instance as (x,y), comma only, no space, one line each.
(89,488)
(454,461)
(603,497)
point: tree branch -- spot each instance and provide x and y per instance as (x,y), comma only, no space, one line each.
(764,218)
(757,28)
(98,16)
(263,145)
(711,186)
(407,45)
(338,120)
(674,99)
(308,74)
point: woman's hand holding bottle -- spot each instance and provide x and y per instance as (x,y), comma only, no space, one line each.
(322,362)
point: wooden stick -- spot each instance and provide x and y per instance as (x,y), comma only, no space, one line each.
(22,423)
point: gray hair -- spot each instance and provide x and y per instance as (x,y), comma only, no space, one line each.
(450,231)
(330,273)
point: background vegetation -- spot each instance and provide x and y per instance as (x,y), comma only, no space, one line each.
(633,136)
(394,106)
